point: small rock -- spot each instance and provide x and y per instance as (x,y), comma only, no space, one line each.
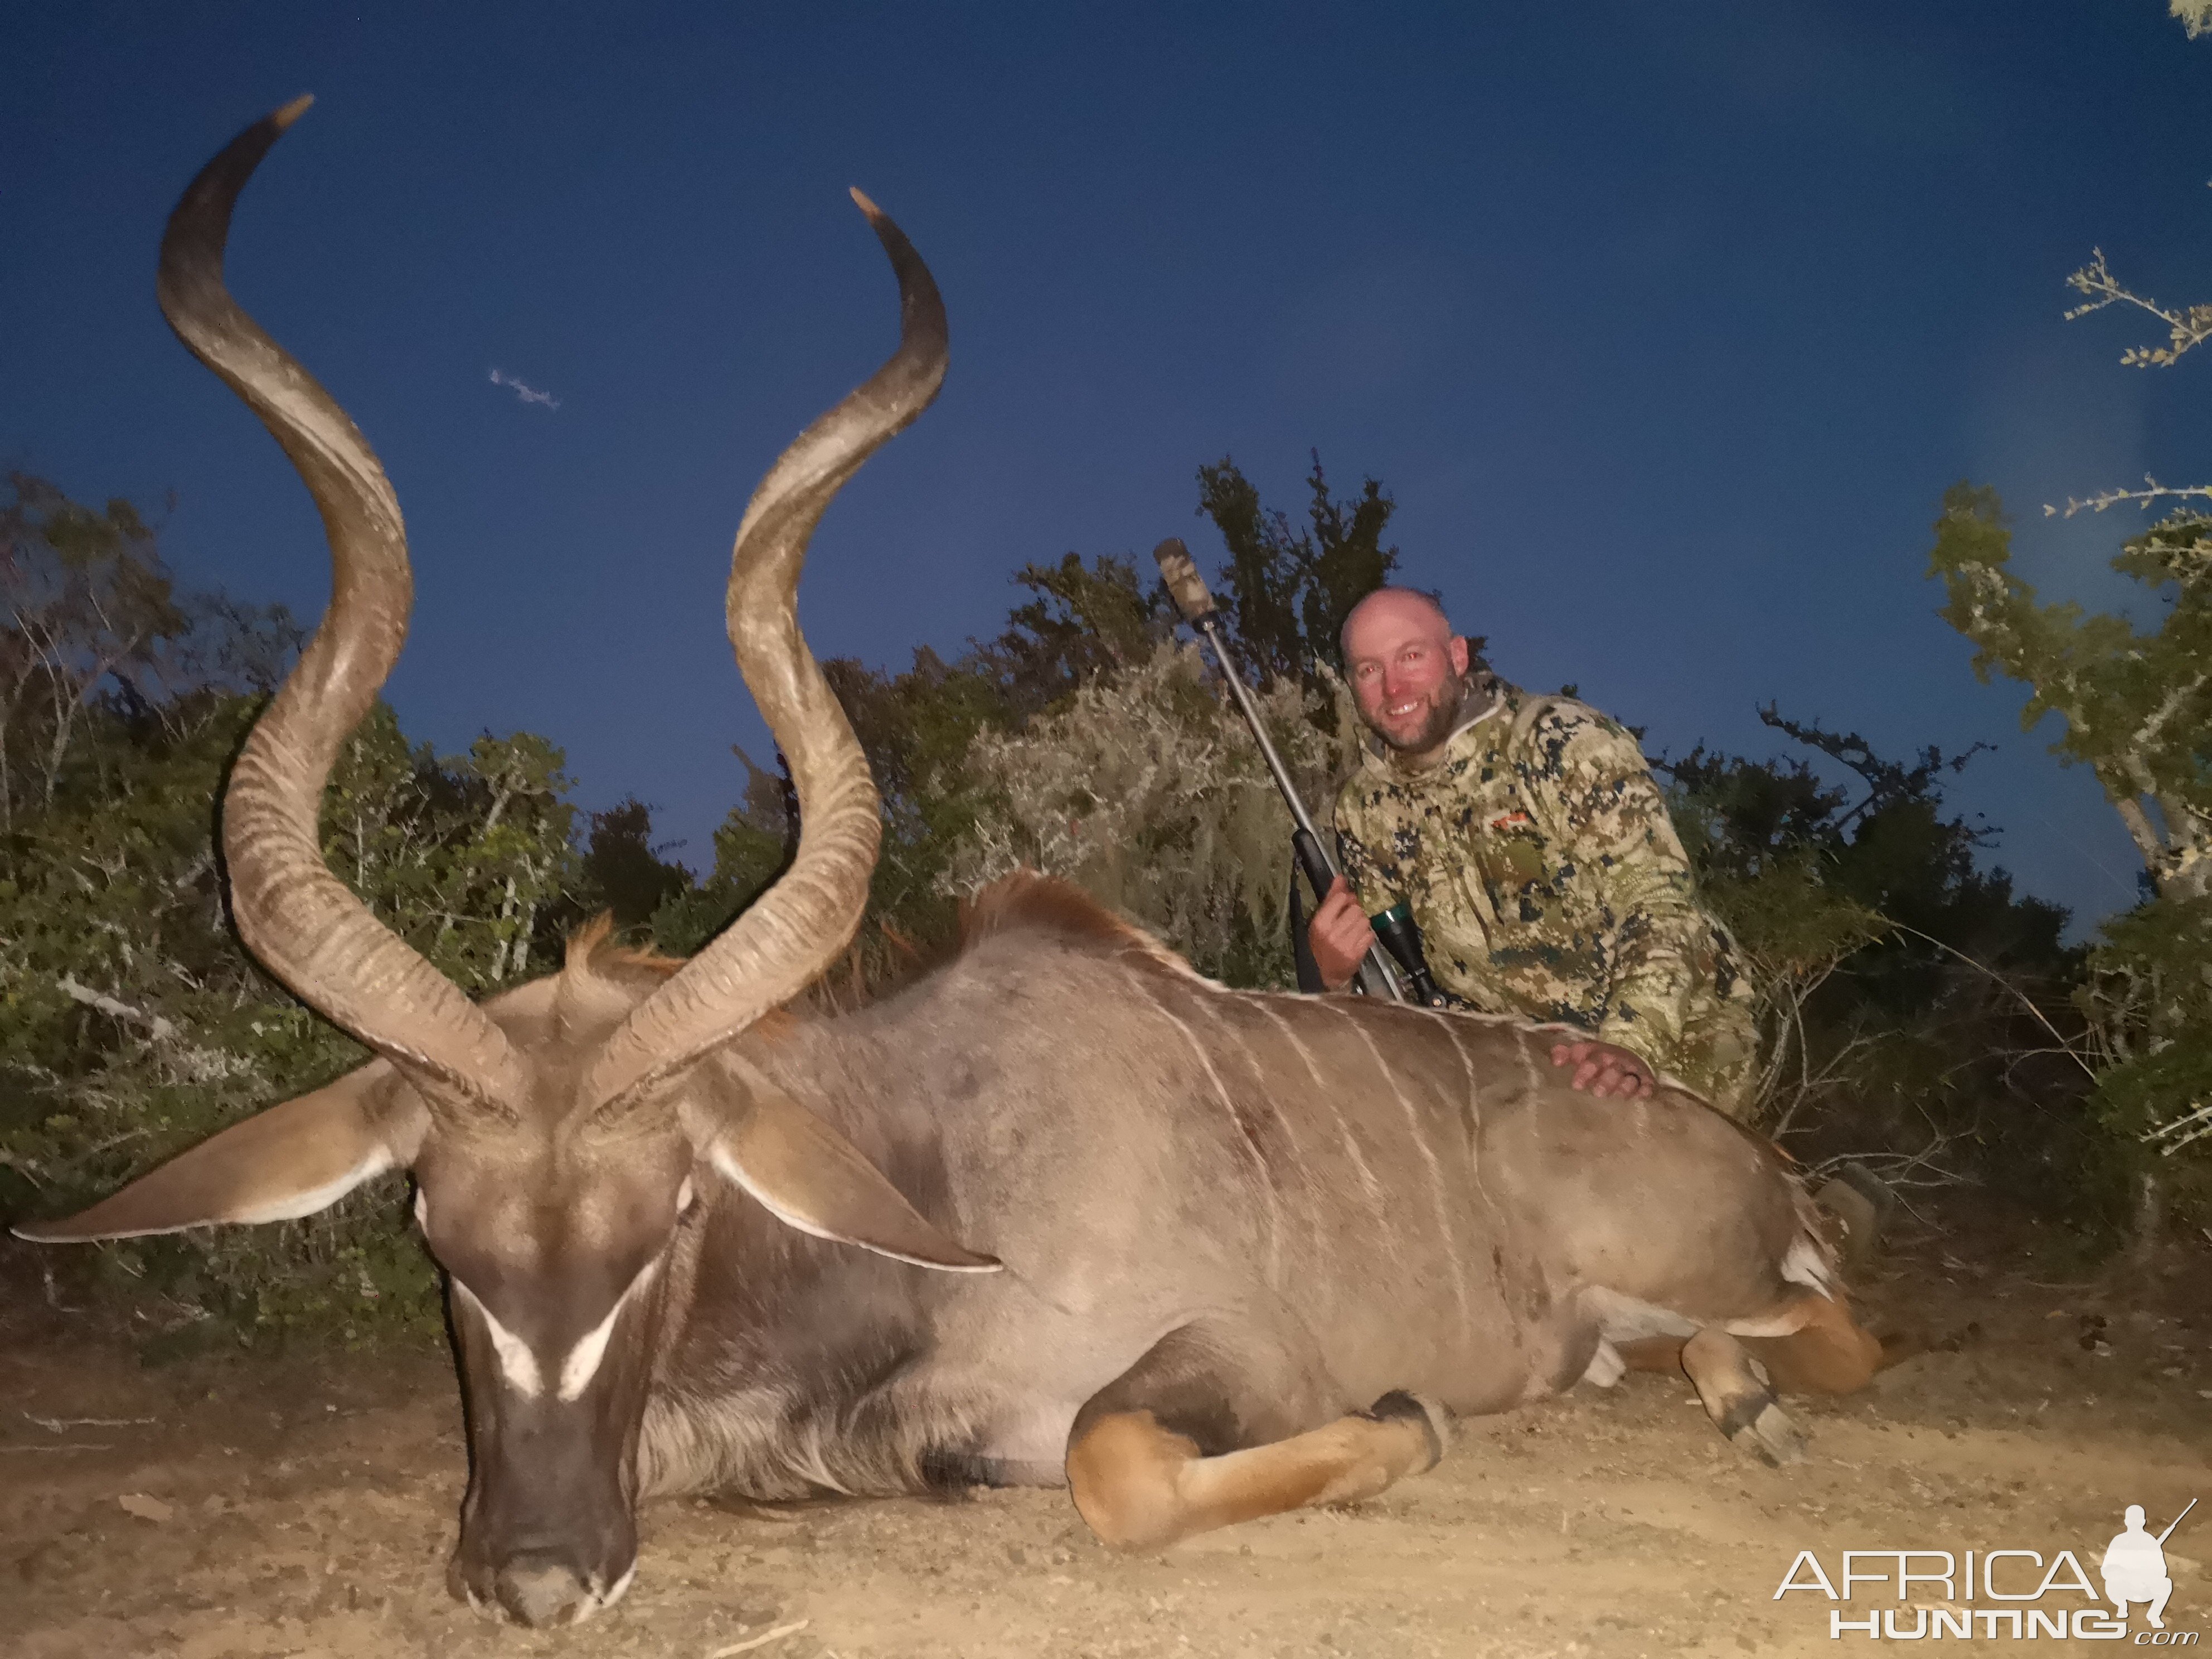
(145,1508)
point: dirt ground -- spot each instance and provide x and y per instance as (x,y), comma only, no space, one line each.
(307,1507)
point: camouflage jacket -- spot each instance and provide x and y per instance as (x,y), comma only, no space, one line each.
(1548,881)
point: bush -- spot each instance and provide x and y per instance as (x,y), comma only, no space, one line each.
(1146,790)
(136,1025)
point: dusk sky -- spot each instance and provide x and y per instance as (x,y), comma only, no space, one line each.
(1665,325)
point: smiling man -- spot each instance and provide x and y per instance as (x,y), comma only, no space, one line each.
(1534,847)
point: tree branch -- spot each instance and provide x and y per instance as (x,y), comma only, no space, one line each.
(2154,491)
(154,1026)
(2187,326)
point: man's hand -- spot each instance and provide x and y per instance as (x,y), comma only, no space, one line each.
(1602,1068)
(1339,936)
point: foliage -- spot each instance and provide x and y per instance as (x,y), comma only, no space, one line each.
(1903,986)
(2135,705)
(134,1023)
(1285,593)
(751,849)
(88,601)
(1146,789)
(1084,620)
(458,854)
(1115,762)
(623,871)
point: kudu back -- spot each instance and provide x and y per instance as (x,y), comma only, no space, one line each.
(1061,1211)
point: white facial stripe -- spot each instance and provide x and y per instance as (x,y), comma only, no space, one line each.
(583,1361)
(516,1362)
(292,1205)
(520,1365)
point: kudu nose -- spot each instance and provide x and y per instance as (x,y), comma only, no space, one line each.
(539,1590)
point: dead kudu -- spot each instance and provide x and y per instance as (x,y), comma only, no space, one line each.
(1221,1253)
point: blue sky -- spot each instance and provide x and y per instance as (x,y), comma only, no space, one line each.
(1667,326)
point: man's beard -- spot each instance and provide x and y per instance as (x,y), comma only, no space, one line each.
(1444,715)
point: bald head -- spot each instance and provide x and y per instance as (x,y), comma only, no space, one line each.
(1398,609)
(1407,669)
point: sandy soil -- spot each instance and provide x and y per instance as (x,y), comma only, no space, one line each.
(307,1507)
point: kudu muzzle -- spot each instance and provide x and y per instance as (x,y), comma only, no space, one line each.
(549,1528)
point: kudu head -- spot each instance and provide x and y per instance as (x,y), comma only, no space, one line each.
(558,1134)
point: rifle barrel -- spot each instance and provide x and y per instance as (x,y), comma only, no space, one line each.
(1375,975)
(1188,588)
(2177,1521)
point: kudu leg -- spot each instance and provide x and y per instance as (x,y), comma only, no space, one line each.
(1738,1398)
(1828,1353)
(1164,1451)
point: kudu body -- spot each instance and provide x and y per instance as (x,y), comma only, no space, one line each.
(1245,1251)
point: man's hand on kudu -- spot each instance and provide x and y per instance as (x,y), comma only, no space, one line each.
(1602,1068)
(1339,936)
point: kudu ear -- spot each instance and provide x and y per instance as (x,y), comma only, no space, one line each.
(291,1160)
(812,1177)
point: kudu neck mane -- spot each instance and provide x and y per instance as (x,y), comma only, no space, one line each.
(816,1050)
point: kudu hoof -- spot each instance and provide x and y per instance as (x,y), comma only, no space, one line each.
(1762,1428)
(1402,1405)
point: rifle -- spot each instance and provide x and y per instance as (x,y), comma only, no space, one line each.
(1394,927)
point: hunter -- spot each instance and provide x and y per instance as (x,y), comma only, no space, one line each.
(1532,845)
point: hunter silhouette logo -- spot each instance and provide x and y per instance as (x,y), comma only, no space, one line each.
(2133,1566)
(2029,1593)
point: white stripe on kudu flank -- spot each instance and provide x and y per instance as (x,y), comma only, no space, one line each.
(1520,1044)
(1474,1092)
(1227,1105)
(1415,1132)
(1368,1184)
(1281,1117)
(1289,1139)
(516,1362)
(583,1361)
(1214,1078)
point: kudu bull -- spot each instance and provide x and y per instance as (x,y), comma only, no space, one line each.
(1220,1254)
